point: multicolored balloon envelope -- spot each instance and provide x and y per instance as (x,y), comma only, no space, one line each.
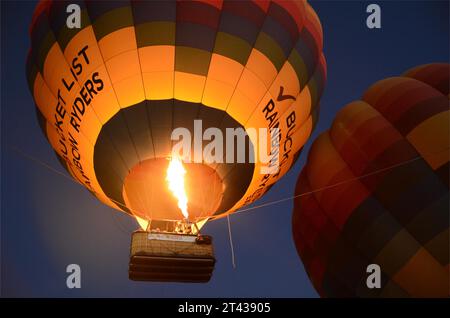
(380,192)
(110,93)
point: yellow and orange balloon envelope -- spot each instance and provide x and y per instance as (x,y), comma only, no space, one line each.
(109,94)
(383,168)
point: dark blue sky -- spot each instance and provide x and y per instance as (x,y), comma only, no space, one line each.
(48,222)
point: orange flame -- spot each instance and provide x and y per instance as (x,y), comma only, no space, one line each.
(175,179)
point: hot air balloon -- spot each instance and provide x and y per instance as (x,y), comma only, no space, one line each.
(110,93)
(374,194)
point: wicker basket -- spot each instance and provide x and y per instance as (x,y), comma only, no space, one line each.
(171,257)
